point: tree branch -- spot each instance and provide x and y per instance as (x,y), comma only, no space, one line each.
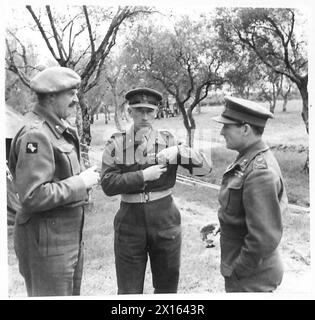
(42,31)
(62,54)
(88,23)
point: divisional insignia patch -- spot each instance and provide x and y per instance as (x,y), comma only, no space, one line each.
(31,147)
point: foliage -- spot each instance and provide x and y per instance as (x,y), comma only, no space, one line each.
(272,34)
(184,61)
(76,39)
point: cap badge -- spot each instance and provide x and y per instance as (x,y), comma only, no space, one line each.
(145,98)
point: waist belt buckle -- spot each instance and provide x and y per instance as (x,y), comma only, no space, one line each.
(146,196)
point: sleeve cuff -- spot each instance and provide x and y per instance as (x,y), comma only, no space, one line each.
(79,189)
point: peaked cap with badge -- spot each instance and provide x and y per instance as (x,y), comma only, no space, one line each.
(252,200)
(55,79)
(239,110)
(147,223)
(144,98)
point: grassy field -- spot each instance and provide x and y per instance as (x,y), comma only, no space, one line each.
(198,205)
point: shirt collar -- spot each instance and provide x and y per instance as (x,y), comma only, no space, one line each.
(245,158)
(248,154)
(56,124)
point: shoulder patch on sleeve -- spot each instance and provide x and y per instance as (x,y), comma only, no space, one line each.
(31,147)
(260,163)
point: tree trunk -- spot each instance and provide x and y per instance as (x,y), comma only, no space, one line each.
(190,137)
(286,99)
(285,102)
(78,120)
(272,106)
(192,127)
(117,115)
(85,133)
(304,93)
(189,123)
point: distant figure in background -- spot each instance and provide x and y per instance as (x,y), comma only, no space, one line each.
(252,200)
(140,164)
(106,112)
(53,188)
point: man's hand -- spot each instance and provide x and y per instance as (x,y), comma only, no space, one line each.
(168,155)
(153,172)
(90,177)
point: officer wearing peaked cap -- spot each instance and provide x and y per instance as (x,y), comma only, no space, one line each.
(140,164)
(252,200)
(52,187)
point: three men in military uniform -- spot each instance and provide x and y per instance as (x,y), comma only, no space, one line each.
(252,200)
(140,164)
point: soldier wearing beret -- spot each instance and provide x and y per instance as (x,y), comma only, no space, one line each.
(252,200)
(52,187)
(140,164)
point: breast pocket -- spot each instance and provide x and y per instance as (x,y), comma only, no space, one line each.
(67,160)
(232,195)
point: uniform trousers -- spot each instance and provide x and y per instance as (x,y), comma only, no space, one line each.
(50,253)
(145,230)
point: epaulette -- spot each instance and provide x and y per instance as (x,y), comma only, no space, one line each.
(260,162)
(35,123)
(119,138)
(166,132)
(118,134)
(170,138)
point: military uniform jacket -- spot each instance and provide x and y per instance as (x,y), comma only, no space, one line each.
(45,163)
(124,158)
(252,199)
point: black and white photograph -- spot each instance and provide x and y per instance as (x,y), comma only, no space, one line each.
(157,149)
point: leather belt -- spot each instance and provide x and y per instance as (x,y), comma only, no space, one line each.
(144,197)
